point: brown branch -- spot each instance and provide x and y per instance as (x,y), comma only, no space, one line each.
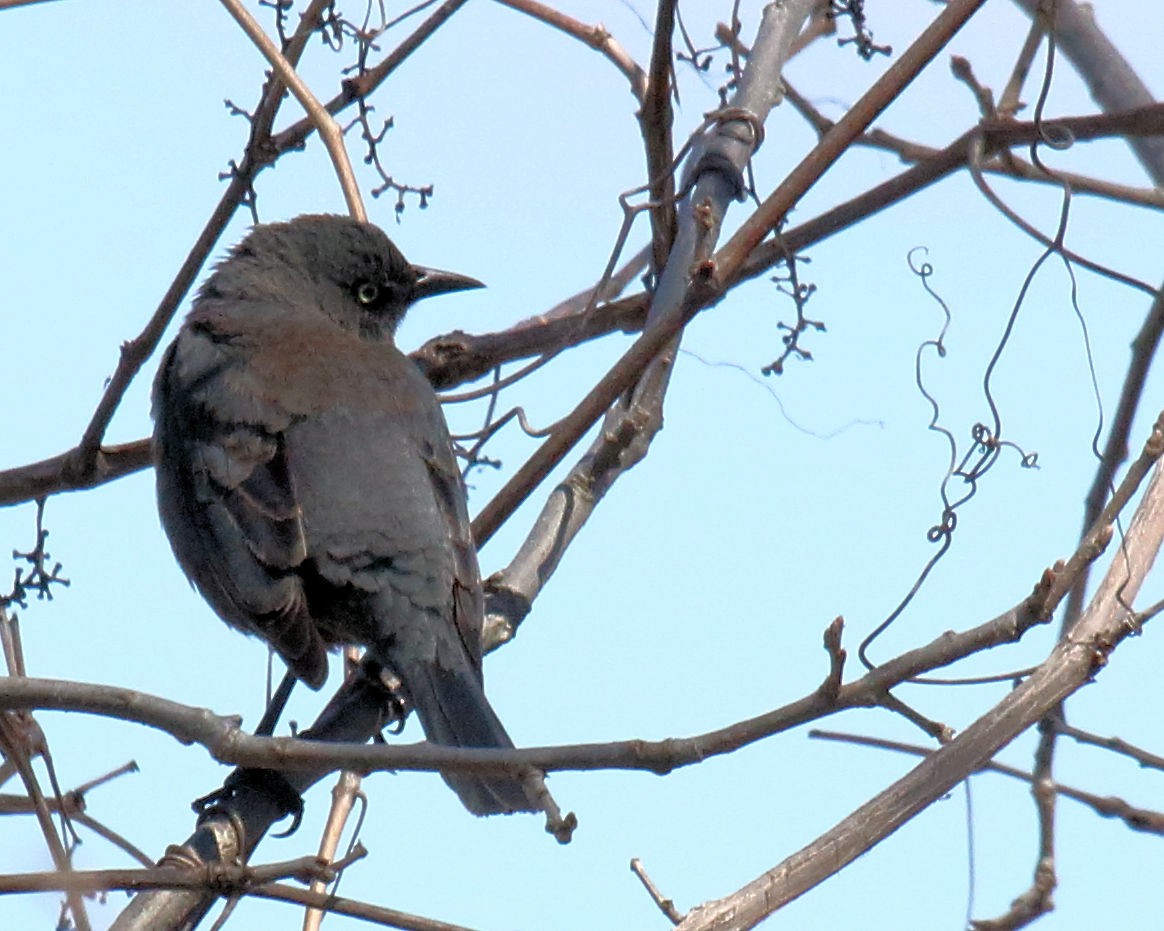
(1073,662)
(225,741)
(1052,245)
(388,917)
(225,877)
(459,357)
(328,129)
(80,467)
(223,738)
(222,879)
(1142,121)
(1110,78)
(343,798)
(594,36)
(655,120)
(1009,101)
(1015,167)
(1004,163)
(72,805)
(665,905)
(1145,758)
(363,84)
(13,747)
(54,475)
(1138,819)
(1036,900)
(574,426)
(884,91)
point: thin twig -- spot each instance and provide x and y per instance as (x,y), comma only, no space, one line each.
(1144,757)
(596,37)
(328,129)
(655,119)
(1072,663)
(1138,819)
(665,905)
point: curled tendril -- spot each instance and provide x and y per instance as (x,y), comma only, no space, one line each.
(739,115)
(924,270)
(1056,136)
(945,528)
(986,445)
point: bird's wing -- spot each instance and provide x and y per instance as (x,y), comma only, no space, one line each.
(468,602)
(383,504)
(225,491)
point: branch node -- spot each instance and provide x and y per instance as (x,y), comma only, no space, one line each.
(831,687)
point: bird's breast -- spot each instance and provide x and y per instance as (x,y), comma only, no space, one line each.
(312,369)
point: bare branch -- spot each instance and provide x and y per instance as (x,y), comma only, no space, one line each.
(328,129)
(715,180)
(1138,819)
(665,905)
(1114,744)
(253,880)
(1113,83)
(595,36)
(343,798)
(773,210)
(655,120)
(359,715)
(1072,663)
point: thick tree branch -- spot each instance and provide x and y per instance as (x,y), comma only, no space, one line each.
(1113,83)
(1115,87)
(715,179)
(355,713)
(771,213)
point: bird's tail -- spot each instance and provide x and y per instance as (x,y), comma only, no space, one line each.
(454,712)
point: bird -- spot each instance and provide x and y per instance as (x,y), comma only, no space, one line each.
(307,481)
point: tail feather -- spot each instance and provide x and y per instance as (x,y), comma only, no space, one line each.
(454,712)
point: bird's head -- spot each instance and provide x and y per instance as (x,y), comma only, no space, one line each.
(351,270)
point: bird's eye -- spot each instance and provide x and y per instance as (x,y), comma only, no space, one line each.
(367,293)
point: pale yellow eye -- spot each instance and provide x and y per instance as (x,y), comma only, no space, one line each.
(367,293)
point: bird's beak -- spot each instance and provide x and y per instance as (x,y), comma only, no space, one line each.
(430,281)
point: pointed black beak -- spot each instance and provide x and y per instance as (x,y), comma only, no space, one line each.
(431,281)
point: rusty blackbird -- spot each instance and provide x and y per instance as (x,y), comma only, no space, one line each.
(307,481)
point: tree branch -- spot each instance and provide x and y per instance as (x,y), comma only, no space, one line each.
(1072,663)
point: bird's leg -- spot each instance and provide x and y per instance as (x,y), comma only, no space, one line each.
(383,686)
(396,707)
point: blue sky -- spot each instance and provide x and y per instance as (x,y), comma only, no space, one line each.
(698,593)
